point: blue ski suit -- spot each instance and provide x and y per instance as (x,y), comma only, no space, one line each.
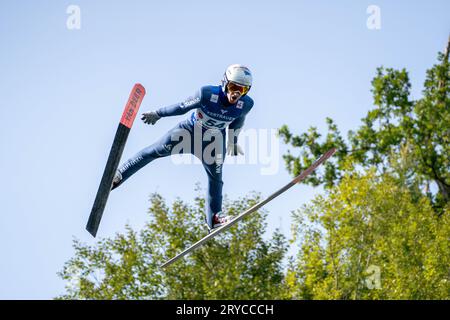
(212,114)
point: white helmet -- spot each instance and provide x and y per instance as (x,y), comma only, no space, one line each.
(238,74)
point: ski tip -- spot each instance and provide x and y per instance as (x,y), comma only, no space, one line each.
(140,86)
(133,104)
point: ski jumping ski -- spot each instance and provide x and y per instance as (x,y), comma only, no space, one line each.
(126,122)
(254,208)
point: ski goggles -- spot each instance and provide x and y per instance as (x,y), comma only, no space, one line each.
(233,87)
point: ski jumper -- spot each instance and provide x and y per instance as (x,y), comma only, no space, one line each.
(212,114)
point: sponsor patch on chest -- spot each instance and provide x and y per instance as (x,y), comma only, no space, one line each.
(240,104)
(214,98)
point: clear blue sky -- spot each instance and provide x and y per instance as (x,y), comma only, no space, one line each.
(62,93)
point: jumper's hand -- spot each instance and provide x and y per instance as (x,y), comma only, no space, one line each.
(150,117)
(233,149)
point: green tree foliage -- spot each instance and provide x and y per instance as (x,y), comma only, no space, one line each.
(368,239)
(240,264)
(397,124)
(375,233)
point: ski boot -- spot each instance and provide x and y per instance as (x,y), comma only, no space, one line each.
(117,180)
(218,220)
